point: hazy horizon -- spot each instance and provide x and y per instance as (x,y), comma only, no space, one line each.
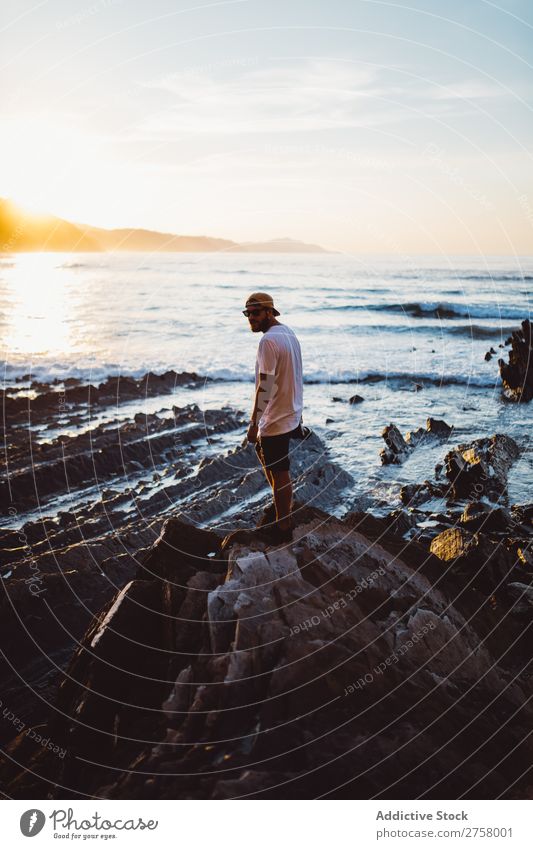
(223,249)
(365,128)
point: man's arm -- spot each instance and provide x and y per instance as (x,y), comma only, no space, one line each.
(263,394)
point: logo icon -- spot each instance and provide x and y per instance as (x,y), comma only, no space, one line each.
(31,822)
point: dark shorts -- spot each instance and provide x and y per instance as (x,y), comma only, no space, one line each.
(273,451)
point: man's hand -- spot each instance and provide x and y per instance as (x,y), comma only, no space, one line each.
(252,433)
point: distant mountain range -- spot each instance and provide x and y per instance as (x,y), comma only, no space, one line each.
(23,231)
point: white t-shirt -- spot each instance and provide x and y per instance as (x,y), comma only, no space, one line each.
(279,356)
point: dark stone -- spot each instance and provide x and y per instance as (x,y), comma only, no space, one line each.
(397,449)
(481,467)
(415,494)
(415,437)
(523,513)
(181,550)
(439,428)
(356,399)
(487,563)
(480,516)
(450,544)
(400,522)
(222,684)
(517,374)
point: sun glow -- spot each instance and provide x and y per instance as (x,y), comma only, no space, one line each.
(61,170)
(28,209)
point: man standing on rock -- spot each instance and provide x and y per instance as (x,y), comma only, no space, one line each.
(278,405)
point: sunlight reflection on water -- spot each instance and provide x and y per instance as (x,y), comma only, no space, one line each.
(38,306)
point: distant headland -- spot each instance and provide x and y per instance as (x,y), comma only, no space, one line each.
(24,231)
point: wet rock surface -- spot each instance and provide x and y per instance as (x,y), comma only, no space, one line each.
(398,448)
(517,374)
(41,469)
(375,655)
(470,472)
(482,467)
(39,401)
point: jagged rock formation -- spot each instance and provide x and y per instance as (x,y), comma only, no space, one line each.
(398,448)
(348,664)
(58,572)
(40,401)
(517,374)
(463,517)
(105,451)
(481,467)
(489,563)
(470,472)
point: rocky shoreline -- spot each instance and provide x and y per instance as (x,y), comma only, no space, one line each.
(374,656)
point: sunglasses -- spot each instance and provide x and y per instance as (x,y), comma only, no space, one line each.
(254,312)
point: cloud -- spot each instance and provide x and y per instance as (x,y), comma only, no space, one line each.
(244,96)
(469,90)
(241,98)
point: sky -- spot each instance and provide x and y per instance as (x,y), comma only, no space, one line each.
(365,126)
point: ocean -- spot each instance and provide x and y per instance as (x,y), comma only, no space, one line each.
(407,334)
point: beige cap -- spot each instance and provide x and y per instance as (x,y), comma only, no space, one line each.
(262,300)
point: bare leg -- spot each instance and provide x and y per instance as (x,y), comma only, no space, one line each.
(282,488)
(268,473)
(269,476)
(281,485)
